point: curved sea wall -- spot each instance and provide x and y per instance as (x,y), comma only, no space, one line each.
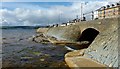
(104,45)
(104,48)
(69,33)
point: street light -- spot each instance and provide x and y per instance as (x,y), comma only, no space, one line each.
(82,9)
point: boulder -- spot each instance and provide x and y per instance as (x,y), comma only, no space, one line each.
(40,38)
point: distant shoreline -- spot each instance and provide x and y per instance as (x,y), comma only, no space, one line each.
(22,27)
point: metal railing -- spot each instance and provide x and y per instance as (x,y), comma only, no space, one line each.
(90,15)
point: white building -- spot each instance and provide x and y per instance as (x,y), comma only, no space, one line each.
(64,24)
(95,14)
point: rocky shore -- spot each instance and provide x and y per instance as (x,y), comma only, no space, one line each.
(44,36)
(23,51)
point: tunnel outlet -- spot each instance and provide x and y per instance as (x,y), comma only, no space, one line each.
(89,35)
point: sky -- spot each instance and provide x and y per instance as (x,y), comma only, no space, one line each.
(38,12)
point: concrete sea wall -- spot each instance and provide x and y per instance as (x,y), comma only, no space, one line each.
(69,33)
(104,45)
(104,48)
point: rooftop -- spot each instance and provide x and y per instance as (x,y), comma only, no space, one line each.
(109,6)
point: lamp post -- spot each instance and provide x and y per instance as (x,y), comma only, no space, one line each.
(104,11)
(92,15)
(82,10)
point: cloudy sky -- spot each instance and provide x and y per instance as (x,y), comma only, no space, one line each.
(24,13)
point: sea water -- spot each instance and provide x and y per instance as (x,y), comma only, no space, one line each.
(18,50)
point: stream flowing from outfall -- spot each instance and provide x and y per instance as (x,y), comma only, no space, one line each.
(18,50)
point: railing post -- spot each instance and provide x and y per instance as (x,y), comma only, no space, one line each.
(92,15)
(104,12)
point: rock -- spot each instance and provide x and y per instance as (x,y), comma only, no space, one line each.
(40,35)
(47,55)
(75,53)
(4,38)
(25,58)
(4,42)
(20,39)
(33,36)
(37,53)
(42,60)
(1,42)
(40,39)
(30,39)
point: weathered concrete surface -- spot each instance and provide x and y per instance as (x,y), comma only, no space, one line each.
(42,30)
(78,62)
(75,53)
(69,33)
(104,49)
(73,32)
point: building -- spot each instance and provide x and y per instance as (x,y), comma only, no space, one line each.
(63,24)
(109,11)
(95,15)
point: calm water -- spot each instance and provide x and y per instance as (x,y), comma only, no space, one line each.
(18,50)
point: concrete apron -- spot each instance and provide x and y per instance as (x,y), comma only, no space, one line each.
(76,60)
(82,62)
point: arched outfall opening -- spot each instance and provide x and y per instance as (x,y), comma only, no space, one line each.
(89,35)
